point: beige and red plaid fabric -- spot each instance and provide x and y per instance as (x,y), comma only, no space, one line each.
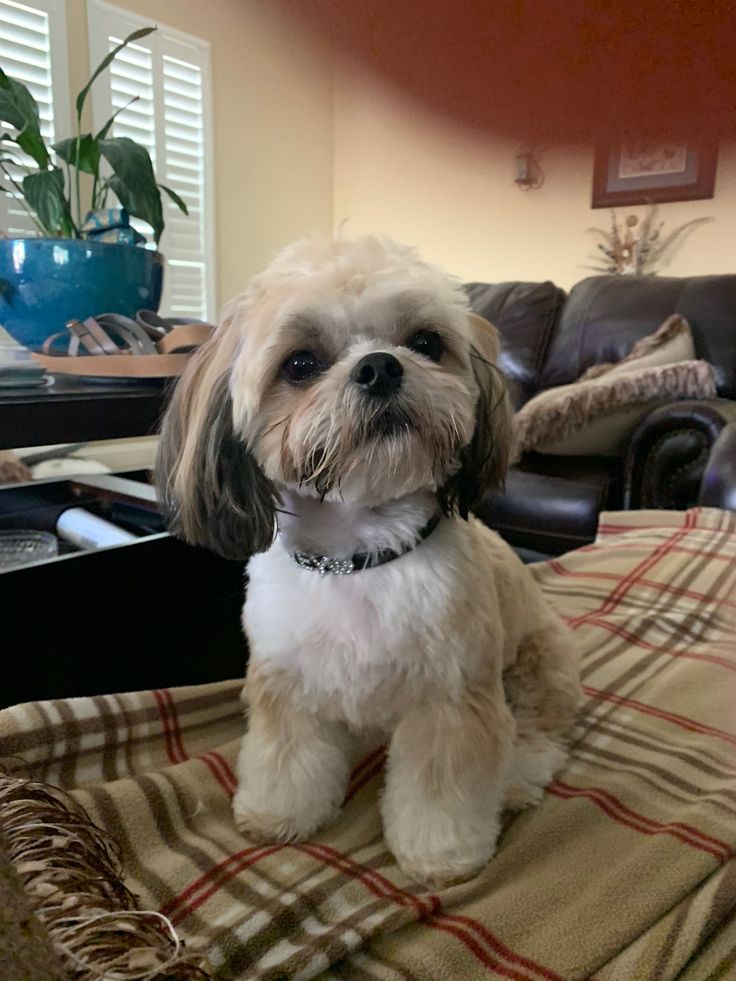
(626,871)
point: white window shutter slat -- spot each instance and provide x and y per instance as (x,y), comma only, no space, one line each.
(33,51)
(169,72)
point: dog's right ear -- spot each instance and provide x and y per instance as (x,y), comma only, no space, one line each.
(210,486)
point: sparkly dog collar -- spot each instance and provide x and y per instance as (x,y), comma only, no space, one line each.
(323,564)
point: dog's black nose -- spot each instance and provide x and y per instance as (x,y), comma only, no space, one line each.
(379,373)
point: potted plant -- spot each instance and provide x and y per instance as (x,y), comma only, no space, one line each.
(86,259)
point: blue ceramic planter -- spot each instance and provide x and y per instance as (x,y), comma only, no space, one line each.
(46,281)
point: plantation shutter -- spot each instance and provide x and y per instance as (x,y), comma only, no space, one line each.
(33,51)
(168,72)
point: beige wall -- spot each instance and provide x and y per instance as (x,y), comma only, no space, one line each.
(452,194)
(273,125)
(286,165)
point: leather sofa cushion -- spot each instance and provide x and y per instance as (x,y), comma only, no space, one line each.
(605,315)
(526,316)
(551,504)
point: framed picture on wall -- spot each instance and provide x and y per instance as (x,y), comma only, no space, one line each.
(649,173)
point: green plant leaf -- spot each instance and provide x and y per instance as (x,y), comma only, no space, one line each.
(181,205)
(106,128)
(32,143)
(17,105)
(139,205)
(107,60)
(44,192)
(134,181)
(89,153)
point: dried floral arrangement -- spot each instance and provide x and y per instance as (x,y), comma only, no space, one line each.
(636,248)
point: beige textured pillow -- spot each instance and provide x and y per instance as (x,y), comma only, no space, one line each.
(671,343)
(594,416)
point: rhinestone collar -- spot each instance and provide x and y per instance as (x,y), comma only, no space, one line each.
(325,565)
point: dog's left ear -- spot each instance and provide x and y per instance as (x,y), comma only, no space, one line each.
(211,489)
(484,461)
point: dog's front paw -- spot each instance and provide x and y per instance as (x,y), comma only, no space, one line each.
(435,872)
(518,796)
(438,850)
(264,823)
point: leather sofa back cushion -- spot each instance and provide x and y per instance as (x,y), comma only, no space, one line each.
(605,315)
(526,316)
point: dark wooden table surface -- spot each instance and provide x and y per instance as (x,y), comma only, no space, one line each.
(74,411)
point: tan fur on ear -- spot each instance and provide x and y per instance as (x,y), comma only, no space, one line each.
(484,460)
(212,490)
(485,337)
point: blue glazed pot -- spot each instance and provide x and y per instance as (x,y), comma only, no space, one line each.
(46,281)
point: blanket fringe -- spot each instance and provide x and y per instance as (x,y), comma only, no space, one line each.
(70,870)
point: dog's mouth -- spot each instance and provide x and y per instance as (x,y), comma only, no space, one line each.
(389,422)
(321,468)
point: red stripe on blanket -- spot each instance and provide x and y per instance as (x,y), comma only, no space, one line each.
(199,891)
(480,953)
(501,948)
(378,884)
(429,908)
(662,587)
(613,807)
(628,581)
(365,772)
(619,529)
(214,763)
(175,729)
(226,768)
(367,761)
(163,710)
(687,828)
(175,750)
(701,553)
(461,926)
(647,645)
(678,720)
(614,529)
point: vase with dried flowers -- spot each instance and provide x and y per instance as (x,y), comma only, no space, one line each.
(635,248)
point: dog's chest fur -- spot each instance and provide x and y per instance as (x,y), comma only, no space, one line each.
(366,645)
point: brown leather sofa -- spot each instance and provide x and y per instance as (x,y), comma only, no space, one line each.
(551,503)
(718,487)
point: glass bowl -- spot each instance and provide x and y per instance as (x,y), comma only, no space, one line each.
(20,547)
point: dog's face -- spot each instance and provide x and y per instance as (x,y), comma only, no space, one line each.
(348,370)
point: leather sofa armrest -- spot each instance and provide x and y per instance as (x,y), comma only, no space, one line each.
(668,451)
(718,487)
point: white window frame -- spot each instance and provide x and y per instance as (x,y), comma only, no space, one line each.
(97,15)
(59,62)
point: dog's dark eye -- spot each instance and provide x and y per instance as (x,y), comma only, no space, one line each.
(427,342)
(302,366)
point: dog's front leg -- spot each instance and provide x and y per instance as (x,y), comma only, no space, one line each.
(446,772)
(292,768)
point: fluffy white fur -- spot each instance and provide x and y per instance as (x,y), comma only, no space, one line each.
(450,652)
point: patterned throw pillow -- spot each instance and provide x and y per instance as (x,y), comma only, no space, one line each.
(594,415)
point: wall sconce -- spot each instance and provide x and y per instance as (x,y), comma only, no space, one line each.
(529,175)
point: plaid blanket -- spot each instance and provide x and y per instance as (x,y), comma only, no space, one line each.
(625,871)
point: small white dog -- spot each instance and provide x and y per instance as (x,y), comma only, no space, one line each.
(342,422)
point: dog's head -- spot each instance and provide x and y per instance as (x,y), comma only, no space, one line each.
(348,370)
